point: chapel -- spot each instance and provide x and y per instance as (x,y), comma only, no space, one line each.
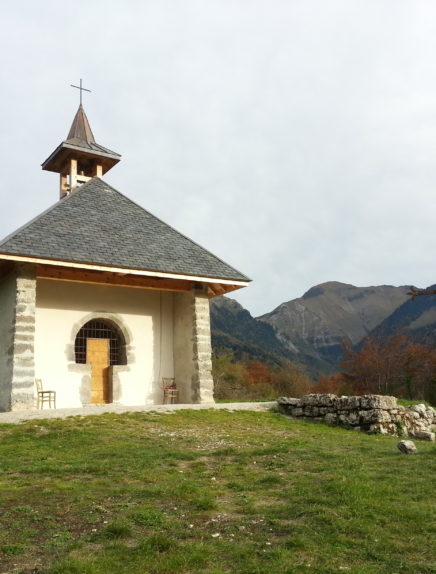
(99,299)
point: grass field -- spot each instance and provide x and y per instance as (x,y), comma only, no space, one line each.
(211,492)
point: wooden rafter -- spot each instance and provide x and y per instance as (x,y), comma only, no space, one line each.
(216,289)
(230,284)
(106,278)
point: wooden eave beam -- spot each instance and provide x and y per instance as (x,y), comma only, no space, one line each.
(229,284)
(217,289)
(106,278)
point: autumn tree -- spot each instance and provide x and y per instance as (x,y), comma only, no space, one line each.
(337,384)
(258,373)
(391,366)
(290,380)
(230,377)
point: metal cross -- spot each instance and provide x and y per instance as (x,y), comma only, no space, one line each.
(81,90)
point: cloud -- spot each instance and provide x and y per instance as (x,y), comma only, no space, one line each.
(294,139)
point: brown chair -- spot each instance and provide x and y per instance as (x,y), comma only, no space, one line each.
(171,392)
(44,396)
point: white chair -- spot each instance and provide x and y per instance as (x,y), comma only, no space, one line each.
(44,396)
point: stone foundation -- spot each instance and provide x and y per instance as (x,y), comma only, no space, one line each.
(370,413)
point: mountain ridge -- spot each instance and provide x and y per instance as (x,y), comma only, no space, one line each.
(415,318)
(310,329)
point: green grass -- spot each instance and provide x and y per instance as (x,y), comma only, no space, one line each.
(211,492)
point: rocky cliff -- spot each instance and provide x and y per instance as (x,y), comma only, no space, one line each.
(316,323)
(235,330)
(415,318)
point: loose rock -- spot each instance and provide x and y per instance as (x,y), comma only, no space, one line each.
(407,447)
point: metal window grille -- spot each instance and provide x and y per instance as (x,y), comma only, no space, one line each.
(99,329)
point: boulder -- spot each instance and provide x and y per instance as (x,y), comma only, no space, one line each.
(407,447)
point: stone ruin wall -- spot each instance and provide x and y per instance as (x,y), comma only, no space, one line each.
(369,413)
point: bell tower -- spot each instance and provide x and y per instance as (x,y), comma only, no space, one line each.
(79,157)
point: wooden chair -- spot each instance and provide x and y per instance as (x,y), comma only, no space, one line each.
(171,392)
(44,396)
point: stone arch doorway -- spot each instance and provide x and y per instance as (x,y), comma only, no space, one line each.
(100,344)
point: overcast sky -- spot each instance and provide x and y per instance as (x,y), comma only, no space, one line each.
(295,139)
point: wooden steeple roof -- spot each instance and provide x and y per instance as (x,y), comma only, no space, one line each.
(79,158)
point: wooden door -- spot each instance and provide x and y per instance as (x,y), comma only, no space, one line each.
(97,355)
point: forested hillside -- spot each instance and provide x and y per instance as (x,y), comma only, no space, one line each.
(336,337)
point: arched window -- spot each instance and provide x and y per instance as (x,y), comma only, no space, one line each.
(101,329)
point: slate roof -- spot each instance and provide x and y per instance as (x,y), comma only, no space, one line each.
(98,225)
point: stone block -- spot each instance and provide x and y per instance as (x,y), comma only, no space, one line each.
(424,435)
(288,401)
(348,403)
(420,409)
(309,400)
(353,418)
(378,402)
(374,416)
(326,400)
(297,412)
(378,429)
(311,411)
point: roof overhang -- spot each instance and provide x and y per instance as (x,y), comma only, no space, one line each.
(58,160)
(124,277)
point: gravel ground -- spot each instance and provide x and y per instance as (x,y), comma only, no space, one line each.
(16,417)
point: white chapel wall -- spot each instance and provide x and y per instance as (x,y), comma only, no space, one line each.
(144,317)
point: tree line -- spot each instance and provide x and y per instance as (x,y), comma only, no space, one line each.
(392,365)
